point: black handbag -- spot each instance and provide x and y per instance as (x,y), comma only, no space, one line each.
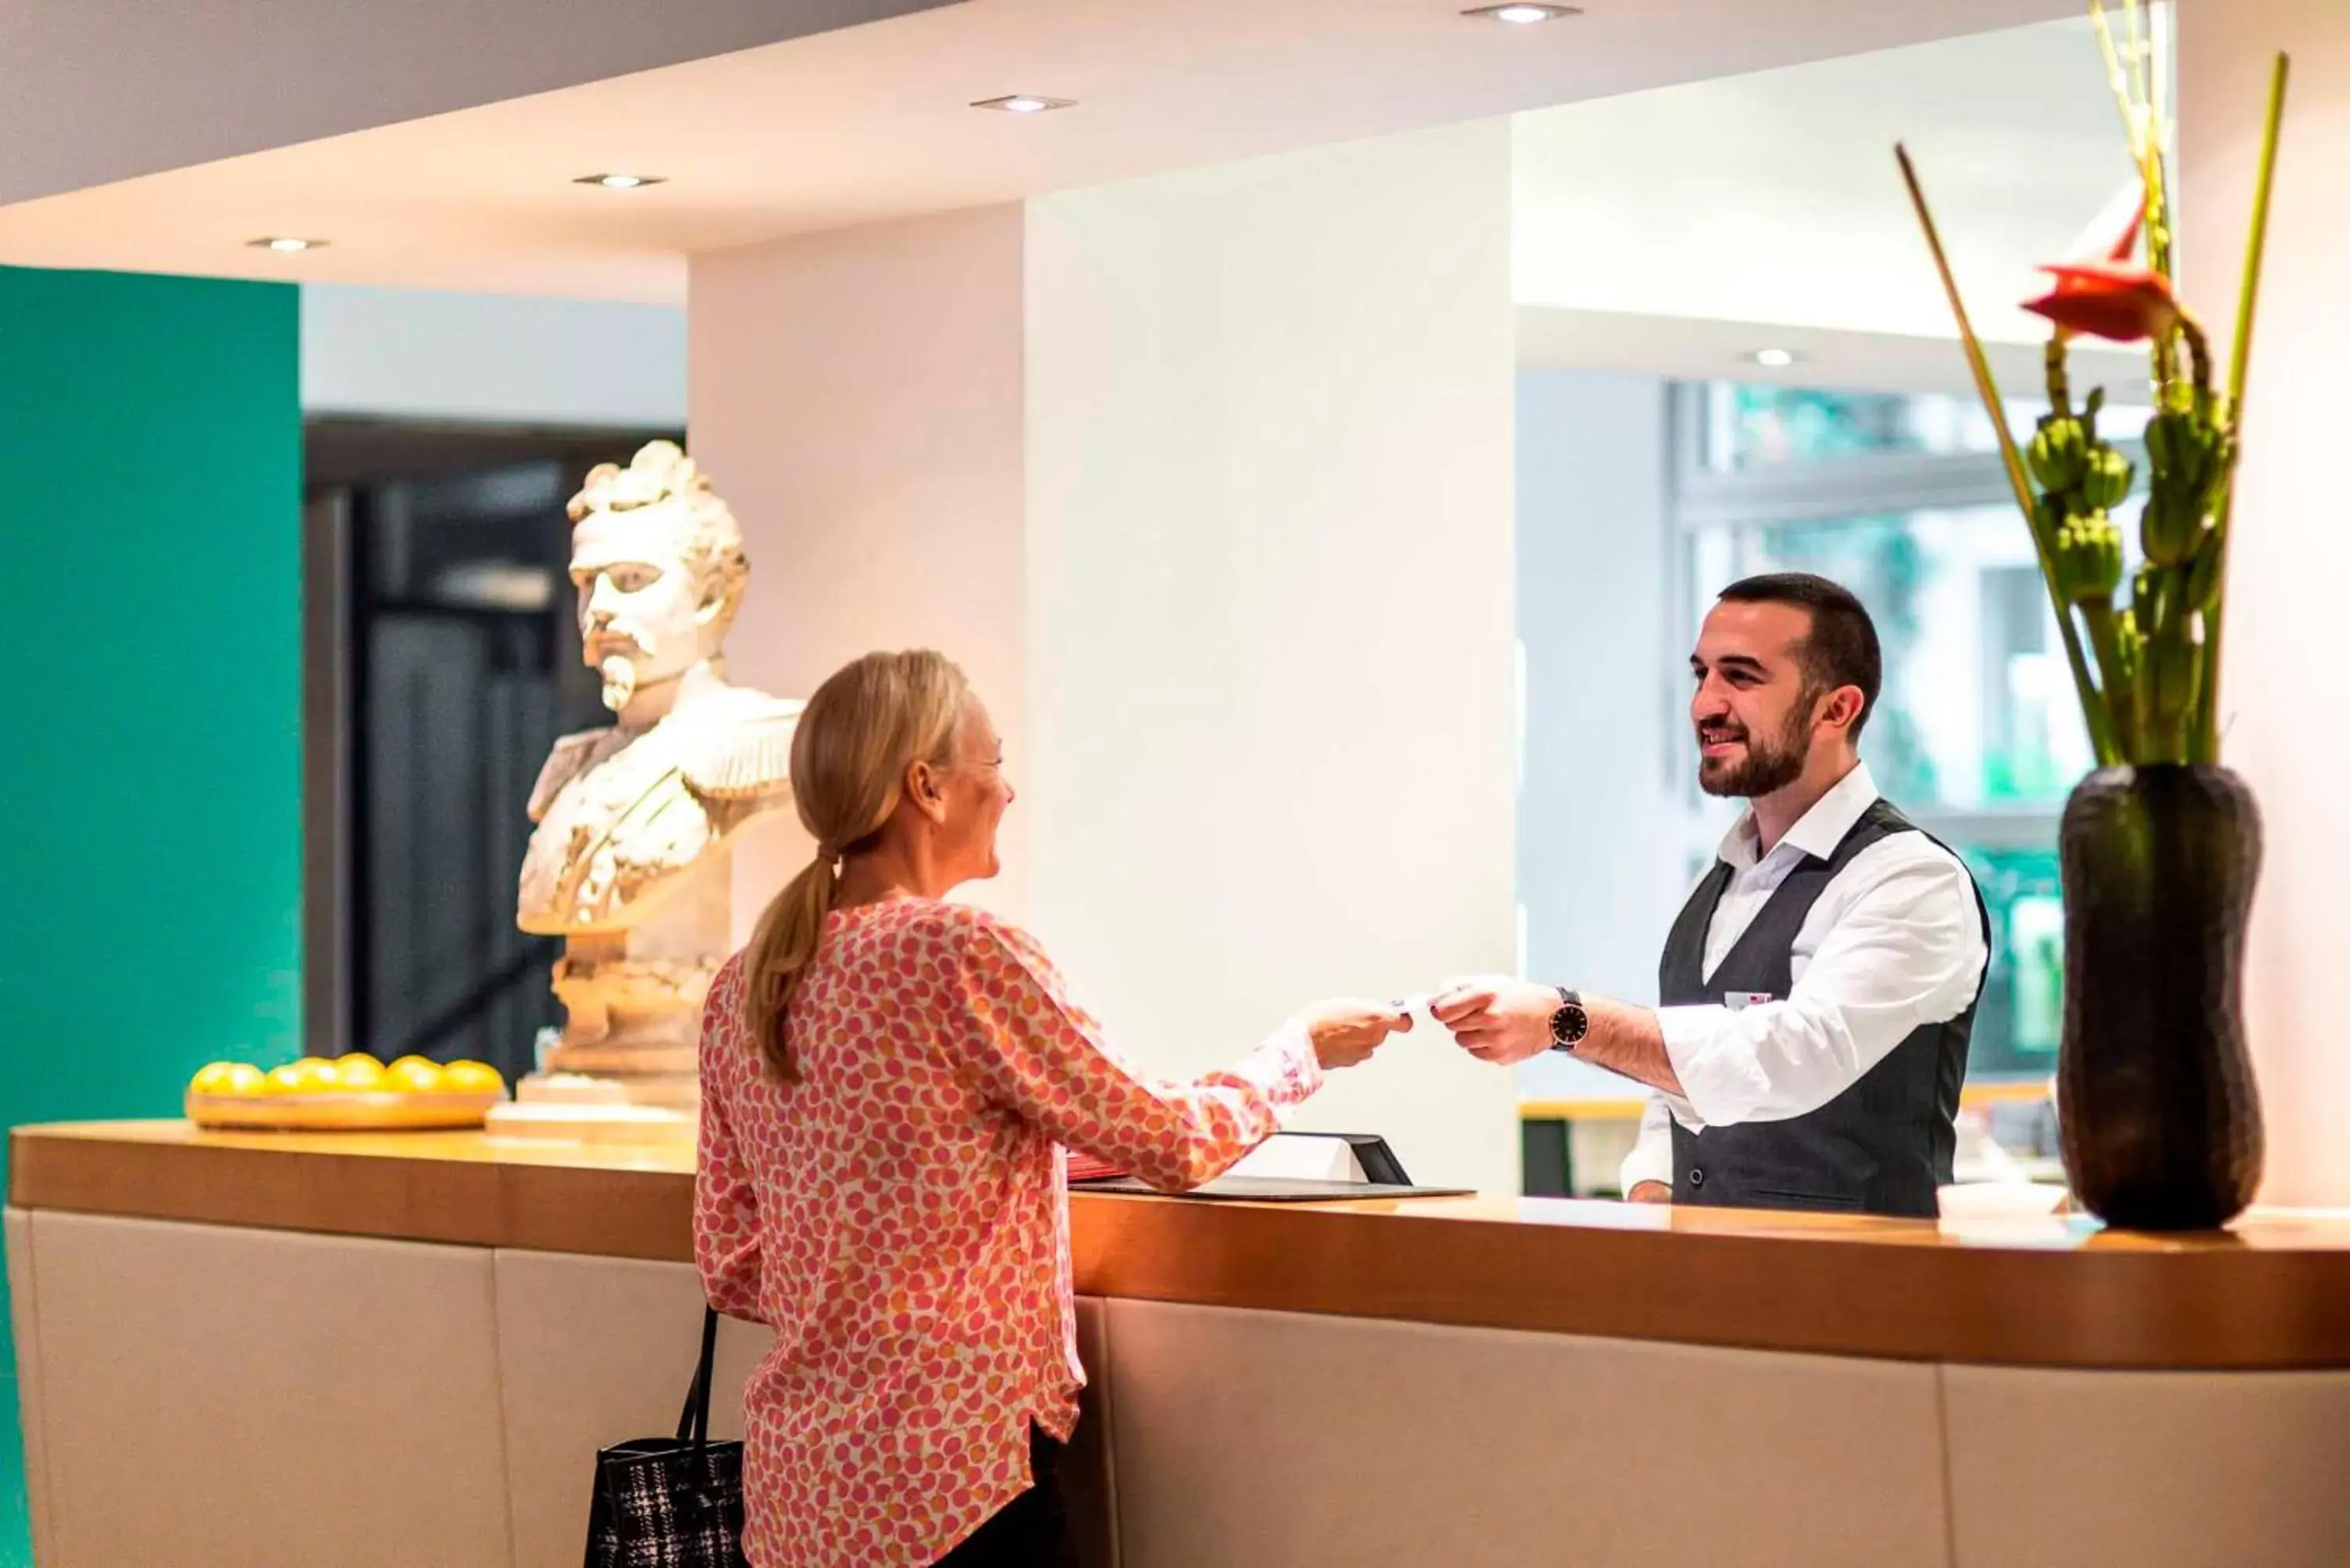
(677,1502)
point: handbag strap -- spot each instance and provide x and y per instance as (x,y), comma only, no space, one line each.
(693,1421)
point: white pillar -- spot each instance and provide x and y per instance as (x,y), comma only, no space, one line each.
(2291,557)
(1270,607)
(1207,479)
(857,397)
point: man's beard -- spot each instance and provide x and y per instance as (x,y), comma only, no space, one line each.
(1767,767)
(619,673)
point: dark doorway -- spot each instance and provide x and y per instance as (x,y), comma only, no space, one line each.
(442,661)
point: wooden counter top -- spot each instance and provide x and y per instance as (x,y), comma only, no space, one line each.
(2271,1293)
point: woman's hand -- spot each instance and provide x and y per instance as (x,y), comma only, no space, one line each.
(1346,1032)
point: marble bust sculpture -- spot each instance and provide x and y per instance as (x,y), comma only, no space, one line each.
(630,860)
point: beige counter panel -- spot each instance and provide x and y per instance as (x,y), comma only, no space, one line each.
(1381,1442)
(638,1325)
(258,1398)
(421,1342)
(2147,1468)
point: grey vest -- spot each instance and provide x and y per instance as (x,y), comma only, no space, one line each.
(1882,1146)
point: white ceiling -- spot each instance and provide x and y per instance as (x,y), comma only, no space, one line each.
(98,90)
(1774,198)
(869,123)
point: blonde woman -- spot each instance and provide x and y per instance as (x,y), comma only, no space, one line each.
(888,1081)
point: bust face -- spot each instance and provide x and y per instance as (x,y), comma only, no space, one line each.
(645,616)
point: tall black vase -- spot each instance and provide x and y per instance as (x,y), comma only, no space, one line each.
(2159,1113)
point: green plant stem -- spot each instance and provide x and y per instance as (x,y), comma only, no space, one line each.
(2182,736)
(2205,731)
(2113,672)
(2199,364)
(2094,711)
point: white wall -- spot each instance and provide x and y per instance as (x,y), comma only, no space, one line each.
(1206,479)
(2291,555)
(857,397)
(498,358)
(1270,623)
(1599,862)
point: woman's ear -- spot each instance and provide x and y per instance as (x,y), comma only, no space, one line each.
(922,788)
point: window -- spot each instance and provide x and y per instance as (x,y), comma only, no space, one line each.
(1976,734)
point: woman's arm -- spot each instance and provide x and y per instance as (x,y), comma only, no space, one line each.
(1039,1054)
(725,1204)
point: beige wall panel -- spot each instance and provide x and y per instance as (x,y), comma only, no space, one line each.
(1267,1438)
(596,1351)
(227,1398)
(26,1325)
(2155,1469)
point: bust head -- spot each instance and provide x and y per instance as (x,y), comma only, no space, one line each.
(659,564)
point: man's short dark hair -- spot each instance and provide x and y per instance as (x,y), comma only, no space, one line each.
(1841,648)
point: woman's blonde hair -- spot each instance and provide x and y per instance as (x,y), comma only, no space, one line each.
(866,724)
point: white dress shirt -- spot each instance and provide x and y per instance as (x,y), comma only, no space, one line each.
(1892,943)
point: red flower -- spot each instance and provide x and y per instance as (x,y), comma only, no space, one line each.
(2120,249)
(2108,300)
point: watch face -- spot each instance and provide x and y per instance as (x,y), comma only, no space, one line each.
(1567,1026)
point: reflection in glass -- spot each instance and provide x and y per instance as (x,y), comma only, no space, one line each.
(1761,426)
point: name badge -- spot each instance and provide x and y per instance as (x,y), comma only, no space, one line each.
(1738,1001)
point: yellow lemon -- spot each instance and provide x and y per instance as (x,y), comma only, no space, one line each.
(310,1075)
(210,1077)
(242,1078)
(472,1078)
(413,1075)
(359,1072)
(231,1080)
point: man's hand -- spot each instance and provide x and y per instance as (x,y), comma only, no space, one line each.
(1345,1032)
(1495,1019)
(1650,1192)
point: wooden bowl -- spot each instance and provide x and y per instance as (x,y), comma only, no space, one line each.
(354,1111)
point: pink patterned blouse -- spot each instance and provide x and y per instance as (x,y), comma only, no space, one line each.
(900,1217)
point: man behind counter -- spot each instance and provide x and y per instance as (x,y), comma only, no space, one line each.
(1818,987)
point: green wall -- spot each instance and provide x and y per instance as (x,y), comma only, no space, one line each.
(151,476)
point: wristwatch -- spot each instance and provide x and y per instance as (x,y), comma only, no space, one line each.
(1570,1024)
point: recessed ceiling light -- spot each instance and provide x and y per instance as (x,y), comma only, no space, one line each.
(1026,103)
(285,242)
(619,181)
(1773,358)
(1519,15)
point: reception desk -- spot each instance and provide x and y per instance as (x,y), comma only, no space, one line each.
(405,1349)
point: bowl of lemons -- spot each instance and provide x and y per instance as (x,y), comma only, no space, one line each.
(349,1094)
